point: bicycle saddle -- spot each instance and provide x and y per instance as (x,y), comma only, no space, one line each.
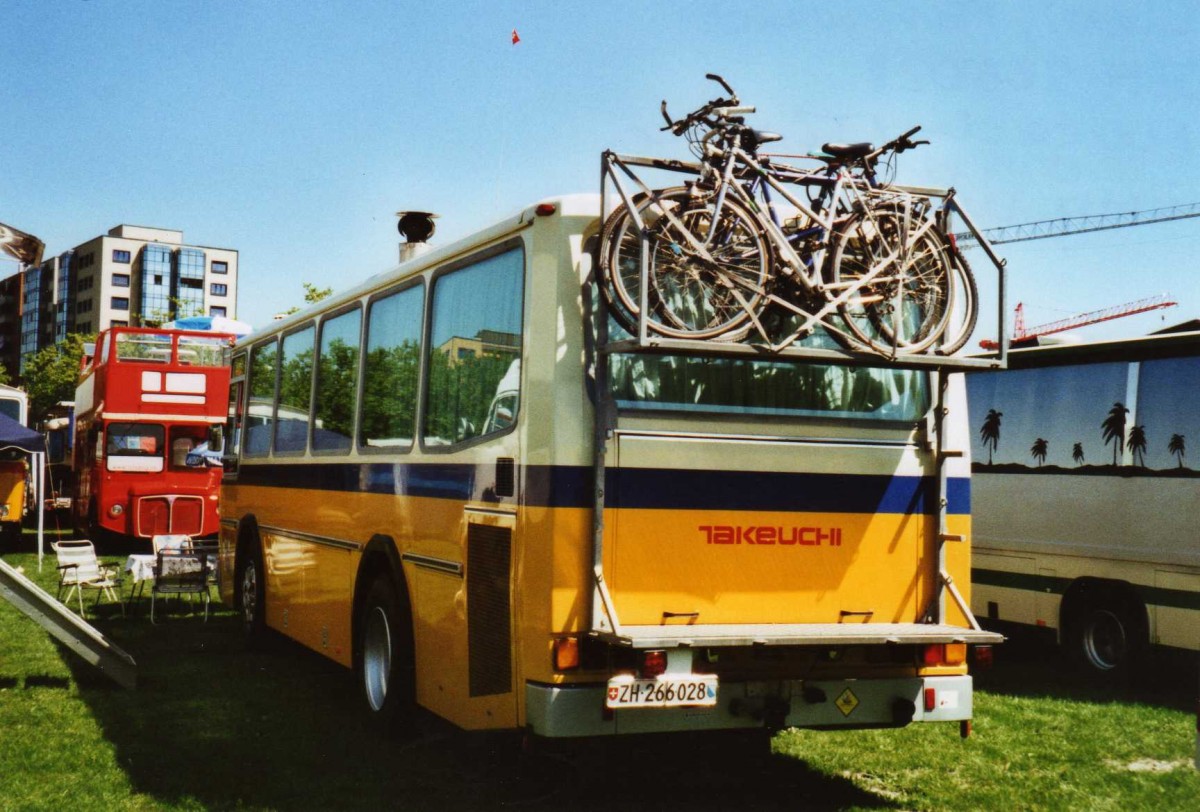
(764,137)
(848,151)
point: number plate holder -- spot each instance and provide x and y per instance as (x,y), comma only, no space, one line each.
(666,691)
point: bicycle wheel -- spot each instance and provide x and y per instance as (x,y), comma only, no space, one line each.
(964,305)
(899,286)
(689,295)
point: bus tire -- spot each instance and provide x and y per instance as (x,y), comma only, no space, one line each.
(251,593)
(1106,632)
(386,670)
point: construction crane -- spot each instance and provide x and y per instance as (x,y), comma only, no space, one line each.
(1062,226)
(1022,334)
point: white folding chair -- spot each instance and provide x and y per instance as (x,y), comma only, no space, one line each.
(79,569)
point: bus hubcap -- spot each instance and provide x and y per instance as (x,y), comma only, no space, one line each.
(377,658)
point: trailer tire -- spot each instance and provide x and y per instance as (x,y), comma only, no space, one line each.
(1106,633)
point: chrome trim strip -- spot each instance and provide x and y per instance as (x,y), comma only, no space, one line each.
(436,564)
(491,511)
(324,541)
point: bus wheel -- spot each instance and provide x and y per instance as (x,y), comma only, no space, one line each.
(1106,635)
(251,595)
(386,657)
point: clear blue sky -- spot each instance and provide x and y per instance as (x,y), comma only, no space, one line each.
(293,131)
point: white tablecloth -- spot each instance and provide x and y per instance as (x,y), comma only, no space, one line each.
(140,566)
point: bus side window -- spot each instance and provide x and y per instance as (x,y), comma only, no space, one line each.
(337,382)
(475,341)
(391,370)
(262,398)
(295,391)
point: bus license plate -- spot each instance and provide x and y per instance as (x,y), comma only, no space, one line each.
(663,692)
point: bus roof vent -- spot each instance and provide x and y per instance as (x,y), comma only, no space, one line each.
(416,227)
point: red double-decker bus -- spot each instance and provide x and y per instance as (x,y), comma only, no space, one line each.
(145,409)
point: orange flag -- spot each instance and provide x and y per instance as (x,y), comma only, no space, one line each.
(515,38)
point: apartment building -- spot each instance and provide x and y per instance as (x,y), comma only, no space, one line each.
(132,275)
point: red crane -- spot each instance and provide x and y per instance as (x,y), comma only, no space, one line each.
(1022,335)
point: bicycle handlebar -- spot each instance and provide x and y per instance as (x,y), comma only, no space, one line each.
(721,108)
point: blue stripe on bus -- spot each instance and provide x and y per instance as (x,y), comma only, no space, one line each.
(570,486)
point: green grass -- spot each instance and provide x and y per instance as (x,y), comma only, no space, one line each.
(213,726)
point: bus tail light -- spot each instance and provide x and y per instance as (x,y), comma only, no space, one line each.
(566,653)
(545,209)
(653,663)
(945,654)
(930,699)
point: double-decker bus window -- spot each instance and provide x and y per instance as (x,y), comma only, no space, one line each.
(202,351)
(262,395)
(134,447)
(11,408)
(391,372)
(183,439)
(144,347)
(475,338)
(295,391)
(337,382)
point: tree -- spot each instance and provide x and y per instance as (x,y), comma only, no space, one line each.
(5,378)
(990,433)
(52,372)
(1077,453)
(1114,429)
(1039,449)
(312,295)
(1137,445)
(1178,447)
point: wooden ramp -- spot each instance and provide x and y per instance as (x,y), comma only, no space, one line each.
(70,629)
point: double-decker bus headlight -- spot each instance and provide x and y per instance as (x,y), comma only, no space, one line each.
(116,510)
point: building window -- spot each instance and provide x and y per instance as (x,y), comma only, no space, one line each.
(115,323)
(218,289)
(220,267)
(120,280)
(216,311)
(84,307)
(120,256)
(120,303)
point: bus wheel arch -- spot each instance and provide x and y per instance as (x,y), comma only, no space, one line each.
(250,580)
(384,660)
(1105,626)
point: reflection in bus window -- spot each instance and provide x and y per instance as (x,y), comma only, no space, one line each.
(134,440)
(262,395)
(295,391)
(337,382)
(393,361)
(475,339)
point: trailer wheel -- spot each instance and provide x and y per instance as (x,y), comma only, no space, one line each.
(1107,633)
(385,662)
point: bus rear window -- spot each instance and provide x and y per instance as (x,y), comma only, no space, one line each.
(751,387)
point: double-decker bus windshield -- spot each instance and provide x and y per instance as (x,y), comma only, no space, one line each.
(134,440)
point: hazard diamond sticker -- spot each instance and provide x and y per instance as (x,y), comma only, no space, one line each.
(846,702)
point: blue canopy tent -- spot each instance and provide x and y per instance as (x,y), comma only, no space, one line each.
(14,435)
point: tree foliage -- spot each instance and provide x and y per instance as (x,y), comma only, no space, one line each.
(52,372)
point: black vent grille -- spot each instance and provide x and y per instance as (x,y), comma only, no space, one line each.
(506,476)
(489,625)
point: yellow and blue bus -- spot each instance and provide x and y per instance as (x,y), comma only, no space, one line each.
(1085,479)
(458,480)
(14,471)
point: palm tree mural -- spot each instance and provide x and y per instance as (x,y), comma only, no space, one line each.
(1039,449)
(1137,445)
(990,433)
(1114,429)
(1077,453)
(1177,447)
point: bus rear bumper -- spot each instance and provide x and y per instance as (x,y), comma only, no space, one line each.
(578,710)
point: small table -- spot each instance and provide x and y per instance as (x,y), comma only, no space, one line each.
(140,567)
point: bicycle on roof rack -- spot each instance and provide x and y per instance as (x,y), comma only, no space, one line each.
(870,263)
